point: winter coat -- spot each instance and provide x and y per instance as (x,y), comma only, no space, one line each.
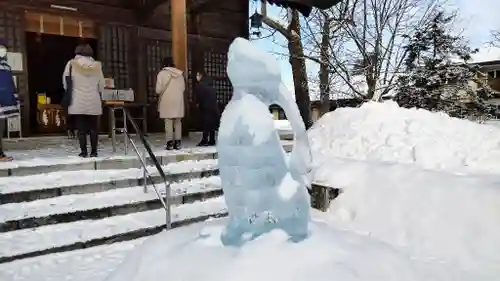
(170,86)
(206,98)
(88,85)
(8,100)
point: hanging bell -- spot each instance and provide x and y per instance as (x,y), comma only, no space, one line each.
(256,20)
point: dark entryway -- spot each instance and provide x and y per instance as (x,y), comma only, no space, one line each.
(47,55)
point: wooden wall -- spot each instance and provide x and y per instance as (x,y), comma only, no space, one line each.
(131,49)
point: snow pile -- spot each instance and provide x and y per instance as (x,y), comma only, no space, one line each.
(420,190)
(196,253)
(386,132)
(430,214)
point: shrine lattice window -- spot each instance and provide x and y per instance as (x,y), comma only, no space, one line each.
(156,50)
(190,77)
(10,30)
(114,53)
(215,67)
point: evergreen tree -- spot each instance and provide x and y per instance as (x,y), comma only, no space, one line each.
(438,77)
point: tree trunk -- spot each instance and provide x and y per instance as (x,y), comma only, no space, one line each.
(324,79)
(298,63)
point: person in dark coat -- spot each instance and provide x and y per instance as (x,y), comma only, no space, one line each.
(8,100)
(206,99)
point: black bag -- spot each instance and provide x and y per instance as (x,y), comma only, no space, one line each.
(68,95)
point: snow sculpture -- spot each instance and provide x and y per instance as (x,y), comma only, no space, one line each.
(263,188)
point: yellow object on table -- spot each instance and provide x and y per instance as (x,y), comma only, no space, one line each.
(41,98)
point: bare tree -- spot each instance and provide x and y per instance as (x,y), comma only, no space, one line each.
(292,34)
(323,43)
(365,52)
(495,38)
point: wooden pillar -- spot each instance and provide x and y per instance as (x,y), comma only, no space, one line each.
(179,33)
(179,47)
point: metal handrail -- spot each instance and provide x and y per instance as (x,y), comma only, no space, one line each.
(142,158)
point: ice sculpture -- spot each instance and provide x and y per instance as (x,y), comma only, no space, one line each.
(264,188)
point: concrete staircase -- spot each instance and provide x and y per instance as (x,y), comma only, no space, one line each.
(57,205)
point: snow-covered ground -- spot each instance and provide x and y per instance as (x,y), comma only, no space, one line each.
(93,264)
(196,253)
(427,214)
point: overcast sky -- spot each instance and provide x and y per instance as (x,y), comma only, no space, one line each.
(477,18)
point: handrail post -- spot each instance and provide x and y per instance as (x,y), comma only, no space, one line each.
(144,173)
(113,128)
(125,128)
(168,211)
(144,165)
(165,201)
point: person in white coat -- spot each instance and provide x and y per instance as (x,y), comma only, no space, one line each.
(85,104)
(170,86)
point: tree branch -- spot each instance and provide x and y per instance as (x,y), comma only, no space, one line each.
(277,26)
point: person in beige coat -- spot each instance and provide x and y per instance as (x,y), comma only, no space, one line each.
(86,102)
(170,86)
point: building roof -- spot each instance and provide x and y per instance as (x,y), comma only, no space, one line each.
(488,65)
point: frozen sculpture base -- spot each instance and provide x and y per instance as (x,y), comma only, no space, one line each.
(268,204)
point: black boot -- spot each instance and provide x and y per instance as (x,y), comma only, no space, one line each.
(204,139)
(211,140)
(94,140)
(203,142)
(170,145)
(177,144)
(82,139)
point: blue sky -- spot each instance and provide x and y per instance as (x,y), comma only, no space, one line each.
(476,19)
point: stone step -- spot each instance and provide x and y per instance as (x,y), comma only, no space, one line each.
(74,163)
(74,207)
(41,241)
(43,186)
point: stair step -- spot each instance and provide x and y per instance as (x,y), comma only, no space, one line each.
(83,234)
(43,186)
(97,205)
(74,163)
